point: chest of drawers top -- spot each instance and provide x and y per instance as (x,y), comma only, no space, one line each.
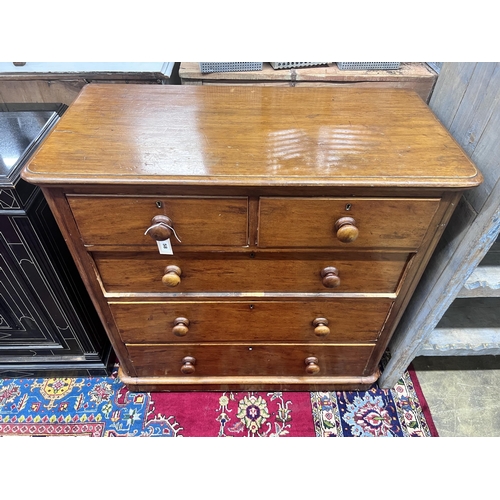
(250,136)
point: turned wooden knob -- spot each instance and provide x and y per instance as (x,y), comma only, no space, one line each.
(330,277)
(172,276)
(346,229)
(320,328)
(160,229)
(312,366)
(188,365)
(180,327)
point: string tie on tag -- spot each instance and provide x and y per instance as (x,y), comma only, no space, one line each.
(167,226)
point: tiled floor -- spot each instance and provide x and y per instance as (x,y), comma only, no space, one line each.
(462,394)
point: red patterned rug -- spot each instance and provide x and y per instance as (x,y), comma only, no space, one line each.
(104,407)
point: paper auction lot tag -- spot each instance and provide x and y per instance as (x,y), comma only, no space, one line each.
(165,247)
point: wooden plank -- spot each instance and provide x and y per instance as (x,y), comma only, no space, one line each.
(450,89)
(253,83)
(420,87)
(27,91)
(478,105)
(408,71)
(64,88)
(469,327)
(483,282)
(460,342)
(411,75)
(485,279)
(487,156)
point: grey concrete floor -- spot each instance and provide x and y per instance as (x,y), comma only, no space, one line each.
(462,394)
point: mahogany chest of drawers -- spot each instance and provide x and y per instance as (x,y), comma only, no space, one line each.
(257,238)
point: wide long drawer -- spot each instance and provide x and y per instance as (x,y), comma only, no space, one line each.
(335,320)
(273,360)
(123,220)
(315,222)
(355,272)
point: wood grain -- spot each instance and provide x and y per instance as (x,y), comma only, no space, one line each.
(248,383)
(351,320)
(35,91)
(236,169)
(171,135)
(59,206)
(197,221)
(239,360)
(382,223)
(413,76)
(449,90)
(257,272)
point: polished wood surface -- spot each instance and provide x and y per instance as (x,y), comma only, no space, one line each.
(172,276)
(297,272)
(300,222)
(196,221)
(242,383)
(355,320)
(161,229)
(314,222)
(346,229)
(222,360)
(330,277)
(171,135)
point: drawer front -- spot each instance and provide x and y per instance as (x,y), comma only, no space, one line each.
(252,272)
(197,221)
(334,320)
(378,222)
(271,360)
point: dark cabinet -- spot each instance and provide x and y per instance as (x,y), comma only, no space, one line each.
(48,324)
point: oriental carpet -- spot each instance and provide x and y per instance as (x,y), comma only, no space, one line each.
(102,406)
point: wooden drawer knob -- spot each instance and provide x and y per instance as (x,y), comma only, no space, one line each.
(180,327)
(346,229)
(172,276)
(188,365)
(330,277)
(320,328)
(161,228)
(312,366)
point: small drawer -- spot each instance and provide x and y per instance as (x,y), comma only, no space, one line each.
(273,360)
(124,221)
(357,272)
(377,223)
(342,320)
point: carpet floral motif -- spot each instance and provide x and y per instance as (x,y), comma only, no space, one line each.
(103,407)
(253,417)
(374,413)
(77,406)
